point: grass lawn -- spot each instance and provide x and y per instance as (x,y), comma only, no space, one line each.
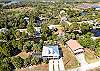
(69,59)
(90,56)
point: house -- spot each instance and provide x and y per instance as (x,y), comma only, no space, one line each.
(37,31)
(75,47)
(63,19)
(85,6)
(96,6)
(58,29)
(26,19)
(50,51)
(3,30)
(38,21)
(22,30)
(4,41)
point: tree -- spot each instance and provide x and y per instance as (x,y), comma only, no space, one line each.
(20,44)
(24,34)
(27,61)
(97,49)
(31,29)
(37,47)
(17,61)
(35,60)
(6,65)
(74,26)
(27,46)
(85,27)
(45,32)
(18,34)
(87,42)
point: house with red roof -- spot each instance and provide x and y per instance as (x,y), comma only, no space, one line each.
(75,47)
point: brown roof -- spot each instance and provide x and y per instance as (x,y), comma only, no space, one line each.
(73,44)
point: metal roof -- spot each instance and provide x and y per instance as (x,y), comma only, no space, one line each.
(74,45)
(50,51)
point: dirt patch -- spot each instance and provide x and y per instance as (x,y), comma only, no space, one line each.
(69,59)
(90,56)
(41,67)
(24,55)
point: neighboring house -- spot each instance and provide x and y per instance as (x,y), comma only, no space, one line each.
(75,46)
(85,6)
(4,30)
(62,11)
(97,7)
(58,29)
(51,51)
(78,50)
(4,41)
(22,30)
(37,31)
(63,19)
(38,21)
(26,19)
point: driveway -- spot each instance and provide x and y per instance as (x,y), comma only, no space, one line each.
(87,67)
(81,58)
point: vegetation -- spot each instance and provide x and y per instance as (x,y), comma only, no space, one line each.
(13,40)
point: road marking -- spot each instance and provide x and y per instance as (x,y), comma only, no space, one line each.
(61,65)
(50,65)
(56,65)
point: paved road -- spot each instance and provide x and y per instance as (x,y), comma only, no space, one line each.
(81,58)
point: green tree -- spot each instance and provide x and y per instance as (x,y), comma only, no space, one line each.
(6,65)
(87,42)
(37,47)
(17,62)
(35,60)
(31,29)
(27,61)
(85,27)
(74,26)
